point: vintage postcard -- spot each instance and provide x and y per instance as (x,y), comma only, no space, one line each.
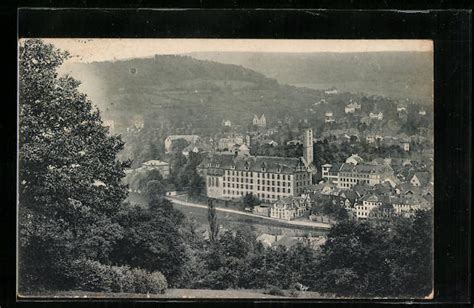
(225,168)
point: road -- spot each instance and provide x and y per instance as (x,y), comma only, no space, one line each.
(316,225)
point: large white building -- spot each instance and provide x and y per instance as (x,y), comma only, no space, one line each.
(347,175)
(232,176)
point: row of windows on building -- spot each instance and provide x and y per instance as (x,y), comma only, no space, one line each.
(259,188)
(241,180)
(212,181)
(272,176)
(354,175)
(262,196)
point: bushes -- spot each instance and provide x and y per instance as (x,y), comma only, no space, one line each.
(273,290)
(93,276)
(146,282)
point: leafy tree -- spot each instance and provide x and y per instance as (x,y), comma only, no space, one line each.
(250,200)
(70,180)
(212,220)
(196,185)
(152,185)
(152,239)
(412,255)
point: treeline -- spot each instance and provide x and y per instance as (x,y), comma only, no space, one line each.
(72,217)
(359,259)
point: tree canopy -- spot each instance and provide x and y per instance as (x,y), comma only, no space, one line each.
(70,180)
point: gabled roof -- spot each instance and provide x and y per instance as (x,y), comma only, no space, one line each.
(254,163)
(155,163)
(423,177)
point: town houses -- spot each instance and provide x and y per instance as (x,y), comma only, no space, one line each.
(347,175)
(238,161)
(352,107)
(259,122)
(290,208)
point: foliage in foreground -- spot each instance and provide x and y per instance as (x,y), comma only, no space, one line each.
(71,189)
(359,259)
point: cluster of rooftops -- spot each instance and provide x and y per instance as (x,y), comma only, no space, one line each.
(359,168)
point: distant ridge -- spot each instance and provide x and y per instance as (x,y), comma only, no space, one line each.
(394,74)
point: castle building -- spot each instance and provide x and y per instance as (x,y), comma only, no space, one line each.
(232,176)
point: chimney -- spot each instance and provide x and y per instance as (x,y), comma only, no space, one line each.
(308,146)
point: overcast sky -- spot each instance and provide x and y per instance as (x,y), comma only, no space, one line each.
(88,50)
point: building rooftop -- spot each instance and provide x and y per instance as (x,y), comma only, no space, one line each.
(155,163)
(254,163)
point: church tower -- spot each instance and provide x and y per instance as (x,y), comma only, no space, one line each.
(308,146)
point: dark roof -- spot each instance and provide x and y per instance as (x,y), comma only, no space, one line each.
(423,177)
(360,168)
(253,163)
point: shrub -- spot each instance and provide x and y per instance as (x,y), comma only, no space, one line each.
(273,290)
(93,276)
(146,282)
(293,292)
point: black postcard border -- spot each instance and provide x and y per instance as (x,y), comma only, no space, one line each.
(451,31)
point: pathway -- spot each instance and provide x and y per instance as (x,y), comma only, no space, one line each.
(318,225)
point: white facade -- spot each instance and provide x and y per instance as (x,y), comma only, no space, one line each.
(363,210)
(261,122)
(376,116)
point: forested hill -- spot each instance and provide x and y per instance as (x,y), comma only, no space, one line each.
(395,74)
(181,89)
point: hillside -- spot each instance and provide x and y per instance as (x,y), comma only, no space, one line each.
(395,74)
(197,94)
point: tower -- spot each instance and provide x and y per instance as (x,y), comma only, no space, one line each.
(308,146)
